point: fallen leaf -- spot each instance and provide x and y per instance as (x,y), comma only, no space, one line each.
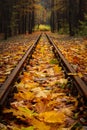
(57,69)
(40,107)
(28,128)
(40,125)
(53,61)
(52,117)
(24,95)
(76,74)
(40,93)
(22,112)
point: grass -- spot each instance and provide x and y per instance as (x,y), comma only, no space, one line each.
(42,27)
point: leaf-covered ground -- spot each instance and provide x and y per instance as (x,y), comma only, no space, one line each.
(75,51)
(43,101)
(11,51)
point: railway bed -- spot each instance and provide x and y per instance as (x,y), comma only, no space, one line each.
(75,51)
(12,52)
(80,84)
(40,95)
(7,85)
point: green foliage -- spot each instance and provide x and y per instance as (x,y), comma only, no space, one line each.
(83,27)
(64,30)
(53,61)
(42,27)
(61,31)
(29,128)
(77,125)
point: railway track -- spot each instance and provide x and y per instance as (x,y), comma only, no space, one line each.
(80,85)
(74,50)
(6,87)
(12,52)
(45,97)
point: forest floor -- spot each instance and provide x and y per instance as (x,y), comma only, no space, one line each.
(74,50)
(11,51)
(43,100)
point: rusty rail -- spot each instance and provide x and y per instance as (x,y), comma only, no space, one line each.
(7,86)
(77,81)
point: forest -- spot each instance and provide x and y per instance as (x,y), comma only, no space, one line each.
(43,64)
(69,16)
(63,16)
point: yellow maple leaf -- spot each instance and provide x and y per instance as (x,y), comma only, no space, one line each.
(57,69)
(24,95)
(52,117)
(39,125)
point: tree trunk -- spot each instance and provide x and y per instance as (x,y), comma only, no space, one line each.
(30,23)
(72,17)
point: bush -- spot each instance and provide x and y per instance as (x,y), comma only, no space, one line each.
(64,30)
(83,27)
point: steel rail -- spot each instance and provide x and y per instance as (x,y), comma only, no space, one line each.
(7,86)
(30,39)
(78,82)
